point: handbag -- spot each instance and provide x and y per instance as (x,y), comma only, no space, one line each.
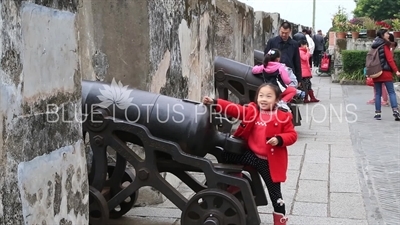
(370,81)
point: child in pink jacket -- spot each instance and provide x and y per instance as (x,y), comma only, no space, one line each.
(274,72)
(306,72)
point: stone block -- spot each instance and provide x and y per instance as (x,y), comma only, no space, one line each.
(57,181)
(312,191)
(347,205)
(310,209)
(316,156)
(342,151)
(343,165)
(50,52)
(344,182)
(294,162)
(314,171)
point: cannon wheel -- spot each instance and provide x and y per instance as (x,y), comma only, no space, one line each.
(213,206)
(98,208)
(128,203)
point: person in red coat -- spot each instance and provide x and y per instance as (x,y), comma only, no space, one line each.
(306,72)
(389,67)
(267,130)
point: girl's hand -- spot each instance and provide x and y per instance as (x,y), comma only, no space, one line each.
(398,73)
(273,141)
(207,100)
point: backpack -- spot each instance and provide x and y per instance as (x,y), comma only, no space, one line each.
(373,63)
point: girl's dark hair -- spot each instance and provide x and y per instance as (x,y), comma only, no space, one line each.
(274,87)
(391,37)
(381,32)
(271,56)
(303,42)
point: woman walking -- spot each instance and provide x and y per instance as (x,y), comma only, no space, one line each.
(383,44)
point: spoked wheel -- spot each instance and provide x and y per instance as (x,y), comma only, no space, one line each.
(213,207)
(98,209)
(128,203)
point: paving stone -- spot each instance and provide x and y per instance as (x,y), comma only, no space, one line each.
(316,156)
(344,165)
(296,149)
(310,209)
(312,191)
(314,171)
(347,205)
(317,146)
(294,162)
(344,182)
(292,178)
(342,151)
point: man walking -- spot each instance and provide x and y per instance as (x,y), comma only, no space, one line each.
(289,48)
(319,47)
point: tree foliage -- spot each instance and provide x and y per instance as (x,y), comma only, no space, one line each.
(377,9)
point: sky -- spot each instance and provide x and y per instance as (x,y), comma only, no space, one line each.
(300,11)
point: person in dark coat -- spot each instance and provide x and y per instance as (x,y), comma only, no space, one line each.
(289,48)
(319,47)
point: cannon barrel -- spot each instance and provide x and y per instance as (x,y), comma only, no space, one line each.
(258,57)
(185,122)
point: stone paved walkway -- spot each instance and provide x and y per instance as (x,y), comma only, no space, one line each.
(377,148)
(323,185)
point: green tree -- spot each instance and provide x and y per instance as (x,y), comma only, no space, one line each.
(377,9)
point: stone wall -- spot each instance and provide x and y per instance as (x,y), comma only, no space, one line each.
(43,175)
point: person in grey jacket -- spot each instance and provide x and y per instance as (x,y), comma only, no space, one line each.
(319,47)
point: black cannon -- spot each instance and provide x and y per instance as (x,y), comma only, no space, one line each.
(175,134)
(258,57)
(237,78)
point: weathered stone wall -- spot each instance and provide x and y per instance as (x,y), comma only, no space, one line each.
(234,29)
(159,46)
(43,175)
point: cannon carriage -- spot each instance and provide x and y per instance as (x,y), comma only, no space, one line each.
(176,135)
(237,78)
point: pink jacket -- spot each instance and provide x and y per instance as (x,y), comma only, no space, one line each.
(272,67)
(304,60)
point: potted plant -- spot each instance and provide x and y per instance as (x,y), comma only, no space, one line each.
(355,25)
(355,30)
(340,23)
(370,25)
(396,28)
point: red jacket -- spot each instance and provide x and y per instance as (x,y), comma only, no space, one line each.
(280,127)
(305,65)
(387,75)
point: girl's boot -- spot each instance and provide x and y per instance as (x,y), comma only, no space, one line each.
(306,95)
(279,219)
(312,96)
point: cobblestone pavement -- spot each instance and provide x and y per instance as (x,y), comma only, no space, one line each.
(377,148)
(323,185)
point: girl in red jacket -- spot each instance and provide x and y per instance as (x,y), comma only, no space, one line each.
(306,72)
(267,131)
(383,44)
